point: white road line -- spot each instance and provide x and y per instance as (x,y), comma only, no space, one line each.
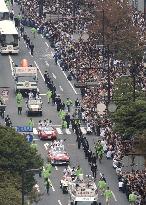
(56,168)
(68,80)
(35,132)
(39,71)
(54,76)
(52,186)
(83,130)
(59,131)
(47,44)
(61,88)
(67,131)
(11,65)
(43,94)
(47,64)
(59,202)
(46,146)
(114,196)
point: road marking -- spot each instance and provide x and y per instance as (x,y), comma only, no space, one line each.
(68,80)
(35,132)
(39,71)
(59,202)
(11,65)
(47,44)
(43,94)
(61,88)
(42,36)
(47,64)
(34,139)
(56,168)
(52,186)
(59,131)
(67,131)
(83,130)
(114,196)
(54,76)
(46,145)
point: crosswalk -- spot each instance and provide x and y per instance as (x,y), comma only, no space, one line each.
(61,131)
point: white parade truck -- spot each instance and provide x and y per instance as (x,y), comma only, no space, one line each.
(83,191)
(25,78)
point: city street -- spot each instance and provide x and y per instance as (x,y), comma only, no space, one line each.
(43,60)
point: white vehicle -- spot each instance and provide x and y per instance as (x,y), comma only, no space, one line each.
(83,191)
(34,107)
(67,179)
(9,38)
(4,11)
(26,79)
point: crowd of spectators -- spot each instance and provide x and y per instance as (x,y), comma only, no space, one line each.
(82,59)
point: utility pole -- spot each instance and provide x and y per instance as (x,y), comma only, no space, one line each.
(109,79)
(103,21)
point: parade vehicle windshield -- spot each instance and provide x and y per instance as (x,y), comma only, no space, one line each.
(44,128)
(58,149)
(9,37)
(4,12)
(26,78)
(85,203)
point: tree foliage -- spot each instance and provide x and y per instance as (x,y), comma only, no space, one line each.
(9,189)
(130,119)
(16,156)
(119,30)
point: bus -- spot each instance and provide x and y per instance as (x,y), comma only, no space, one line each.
(4,11)
(9,37)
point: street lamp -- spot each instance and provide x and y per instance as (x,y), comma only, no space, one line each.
(36,171)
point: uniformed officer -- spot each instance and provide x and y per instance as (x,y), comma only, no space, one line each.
(94,170)
(30,123)
(68,104)
(49,95)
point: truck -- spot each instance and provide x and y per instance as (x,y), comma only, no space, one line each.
(34,107)
(83,191)
(25,77)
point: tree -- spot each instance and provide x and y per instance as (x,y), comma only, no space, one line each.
(119,30)
(17,155)
(130,119)
(9,189)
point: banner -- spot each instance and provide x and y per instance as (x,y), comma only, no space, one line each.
(4,93)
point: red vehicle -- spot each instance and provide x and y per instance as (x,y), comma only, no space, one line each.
(58,156)
(47,133)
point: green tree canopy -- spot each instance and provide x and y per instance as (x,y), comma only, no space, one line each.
(130,119)
(9,189)
(17,155)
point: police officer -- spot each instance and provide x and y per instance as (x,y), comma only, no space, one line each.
(28,42)
(94,170)
(58,103)
(68,104)
(67,118)
(22,30)
(31,48)
(30,123)
(19,101)
(24,36)
(77,103)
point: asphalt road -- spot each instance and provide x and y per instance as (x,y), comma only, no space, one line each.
(43,58)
